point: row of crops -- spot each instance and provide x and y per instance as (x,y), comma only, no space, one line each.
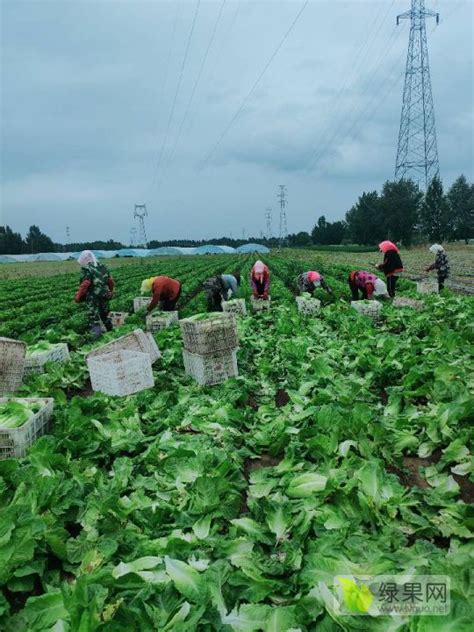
(343,448)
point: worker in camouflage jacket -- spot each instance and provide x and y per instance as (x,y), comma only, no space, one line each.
(220,288)
(95,290)
(441,264)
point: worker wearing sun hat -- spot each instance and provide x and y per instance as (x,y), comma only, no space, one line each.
(260,280)
(310,281)
(441,264)
(95,289)
(392,264)
(165,292)
(366,285)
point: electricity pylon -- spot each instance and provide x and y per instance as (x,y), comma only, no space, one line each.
(140,214)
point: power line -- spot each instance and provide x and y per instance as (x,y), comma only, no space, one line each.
(252,89)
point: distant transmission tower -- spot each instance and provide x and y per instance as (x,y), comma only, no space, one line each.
(268,222)
(417,153)
(133,236)
(140,214)
(283,236)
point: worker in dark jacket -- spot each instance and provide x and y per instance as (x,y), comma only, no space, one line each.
(392,265)
(165,292)
(96,289)
(220,288)
(260,280)
(310,281)
(441,264)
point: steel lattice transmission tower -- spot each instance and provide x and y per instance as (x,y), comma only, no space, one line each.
(417,153)
(140,214)
(283,236)
(268,222)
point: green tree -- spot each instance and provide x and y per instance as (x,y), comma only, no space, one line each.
(434,217)
(461,208)
(364,225)
(36,241)
(399,207)
(326,232)
(300,239)
(10,243)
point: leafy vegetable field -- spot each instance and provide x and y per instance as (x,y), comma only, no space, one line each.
(343,448)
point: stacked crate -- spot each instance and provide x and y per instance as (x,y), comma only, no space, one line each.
(372,309)
(235,306)
(14,442)
(35,362)
(427,287)
(160,320)
(260,304)
(118,318)
(210,348)
(12,365)
(308,305)
(408,302)
(140,302)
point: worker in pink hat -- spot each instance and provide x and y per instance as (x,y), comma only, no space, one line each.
(260,280)
(310,281)
(392,264)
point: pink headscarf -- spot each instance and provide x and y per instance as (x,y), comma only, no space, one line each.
(385,246)
(86,257)
(258,270)
(314,277)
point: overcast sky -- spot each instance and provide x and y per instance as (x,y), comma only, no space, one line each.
(94,96)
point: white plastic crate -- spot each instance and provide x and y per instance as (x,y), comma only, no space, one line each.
(373,309)
(140,302)
(408,302)
(14,442)
(308,305)
(58,353)
(259,304)
(161,320)
(138,340)
(118,318)
(427,287)
(212,335)
(121,372)
(12,365)
(211,369)
(235,306)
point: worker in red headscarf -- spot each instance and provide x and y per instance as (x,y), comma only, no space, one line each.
(260,280)
(392,265)
(310,281)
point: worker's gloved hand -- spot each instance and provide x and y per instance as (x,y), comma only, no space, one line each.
(427,269)
(265,296)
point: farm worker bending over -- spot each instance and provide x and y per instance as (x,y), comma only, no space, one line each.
(260,280)
(310,281)
(366,283)
(165,291)
(441,264)
(96,290)
(391,266)
(220,288)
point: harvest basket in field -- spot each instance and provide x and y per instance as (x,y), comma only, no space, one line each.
(121,372)
(308,305)
(118,318)
(259,305)
(138,340)
(140,302)
(235,306)
(408,302)
(372,309)
(35,360)
(208,334)
(211,369)
(429,286)
(12,365)
(14,442)
(160,320)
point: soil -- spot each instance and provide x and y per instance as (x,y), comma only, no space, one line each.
(410,476)
(466,492)
(264,460)
(383,396)
(87,391)
(281,398)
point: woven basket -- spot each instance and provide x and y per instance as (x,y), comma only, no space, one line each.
(160,320)
(118,318)
(211,369)
(260,305)
(121,372)
(308,305)
(427,287)
(140,302)
(12,365)
(138,340)
(212,335)
(408,302)
(235,306)
(35,362)
(373,309)
(14,442)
